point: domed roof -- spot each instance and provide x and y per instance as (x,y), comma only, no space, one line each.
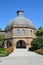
(20,21)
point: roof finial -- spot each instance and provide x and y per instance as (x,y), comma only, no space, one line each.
(20,12)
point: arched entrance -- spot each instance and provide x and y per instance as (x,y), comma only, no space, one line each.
(20,44)
(9,44)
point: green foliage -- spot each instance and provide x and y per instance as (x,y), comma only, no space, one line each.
(3,52)
(1,38)
(41,51)
(39,32)
(37,43)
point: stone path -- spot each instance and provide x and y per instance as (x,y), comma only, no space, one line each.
(22,57)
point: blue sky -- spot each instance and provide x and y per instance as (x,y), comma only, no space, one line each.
(33,10)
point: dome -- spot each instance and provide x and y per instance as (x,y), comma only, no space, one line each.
(20,21)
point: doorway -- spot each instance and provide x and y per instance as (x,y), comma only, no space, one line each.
(9,44)
(20,44)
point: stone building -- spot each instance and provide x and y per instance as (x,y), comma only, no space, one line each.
(19,32)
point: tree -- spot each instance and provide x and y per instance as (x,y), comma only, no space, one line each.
(1,39)
(38,41)
(39,32)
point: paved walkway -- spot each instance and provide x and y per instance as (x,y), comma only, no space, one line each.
(22,52)
(22,57)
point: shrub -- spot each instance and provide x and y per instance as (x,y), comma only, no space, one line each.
(37,43)
(41,51)
(3,53)
(9,50)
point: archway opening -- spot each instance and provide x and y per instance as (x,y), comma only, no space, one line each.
(20,44)
(9,44)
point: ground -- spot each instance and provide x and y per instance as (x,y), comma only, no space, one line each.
(22,57)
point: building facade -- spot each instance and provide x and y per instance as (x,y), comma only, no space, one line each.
(19,32)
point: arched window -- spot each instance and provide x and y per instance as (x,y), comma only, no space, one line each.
(17,32)
(23,32)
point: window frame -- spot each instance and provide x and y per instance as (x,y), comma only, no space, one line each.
(23,32)
(17,32)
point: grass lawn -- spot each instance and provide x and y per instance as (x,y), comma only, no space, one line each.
(3,52)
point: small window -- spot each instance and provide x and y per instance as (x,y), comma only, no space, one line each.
(23,32)
(34,32)
(31,32)
(17,32)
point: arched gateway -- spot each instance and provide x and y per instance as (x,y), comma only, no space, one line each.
(8,44)
(21,44)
